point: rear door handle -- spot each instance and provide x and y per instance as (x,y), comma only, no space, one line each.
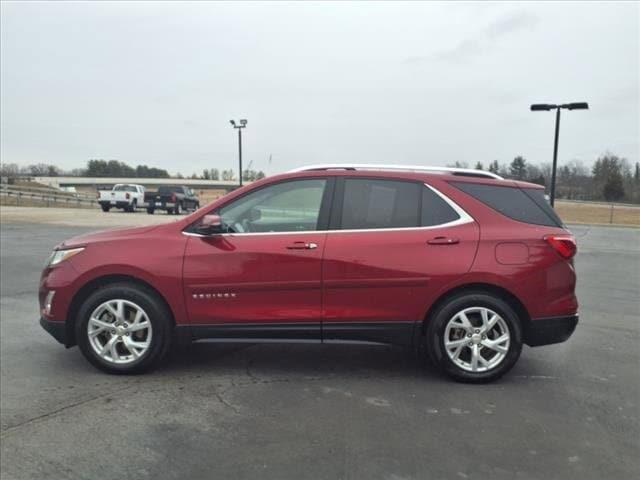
(443,241)
(302,246)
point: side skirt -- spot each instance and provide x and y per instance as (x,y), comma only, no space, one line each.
(398,333)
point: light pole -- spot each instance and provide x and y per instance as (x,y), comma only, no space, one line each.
(537,107)
(243,124)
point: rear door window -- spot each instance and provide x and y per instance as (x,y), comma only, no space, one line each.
(124,188)
(372,204)
(526,205)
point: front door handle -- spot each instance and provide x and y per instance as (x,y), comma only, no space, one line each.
(302,246)
(443,241)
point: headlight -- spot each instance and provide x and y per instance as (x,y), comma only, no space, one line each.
(61,255)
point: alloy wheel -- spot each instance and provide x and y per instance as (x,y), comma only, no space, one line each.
(477,339)
(119,331)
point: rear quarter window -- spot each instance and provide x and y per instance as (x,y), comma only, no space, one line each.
(435,211)
(526,205)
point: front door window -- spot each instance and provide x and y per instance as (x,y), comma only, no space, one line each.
(285,207)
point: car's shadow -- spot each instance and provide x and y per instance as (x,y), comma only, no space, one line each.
(262,361)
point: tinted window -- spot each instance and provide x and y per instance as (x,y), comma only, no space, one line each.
(166,190)
(124,188)
(537,195)
(284,207)
(379,204)
(513,202)
(435,211)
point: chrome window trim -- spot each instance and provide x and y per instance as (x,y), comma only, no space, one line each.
(464,219)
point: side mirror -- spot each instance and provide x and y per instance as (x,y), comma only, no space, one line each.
(210,225)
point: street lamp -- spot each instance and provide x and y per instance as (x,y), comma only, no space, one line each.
(243,124)
(538,107)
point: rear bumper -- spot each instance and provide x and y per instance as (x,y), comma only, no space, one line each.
(57,330)
(116,204)
(546,331)
(160,205)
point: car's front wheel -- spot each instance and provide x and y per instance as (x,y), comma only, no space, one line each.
(474,337)
(123,328)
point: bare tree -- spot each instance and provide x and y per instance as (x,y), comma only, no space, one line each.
(10,170)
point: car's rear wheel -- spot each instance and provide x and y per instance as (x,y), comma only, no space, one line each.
(178,209)
(105,208)
(474,337)
(123,328)
(150,211)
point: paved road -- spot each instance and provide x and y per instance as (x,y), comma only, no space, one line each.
(300,411)
(83,217)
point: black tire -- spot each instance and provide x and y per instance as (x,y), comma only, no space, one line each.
(105,208)
(169,211)
(150,211)
(178,209)
(435,332)
(159,317)
(132,207)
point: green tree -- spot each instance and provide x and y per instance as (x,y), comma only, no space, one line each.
(518,168)
(613,190)
(479,166)
(494,167)
(608,176)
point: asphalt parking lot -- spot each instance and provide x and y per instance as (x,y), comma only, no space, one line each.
(300,411)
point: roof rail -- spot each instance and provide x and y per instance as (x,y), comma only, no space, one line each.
(411,168)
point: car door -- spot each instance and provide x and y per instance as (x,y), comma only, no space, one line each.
(392,245)
(188,198)
(262,279)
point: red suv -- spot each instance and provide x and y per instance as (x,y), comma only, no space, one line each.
(461,262)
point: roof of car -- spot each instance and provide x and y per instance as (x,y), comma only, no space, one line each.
(413,172)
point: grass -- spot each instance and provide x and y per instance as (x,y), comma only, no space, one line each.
(598,213)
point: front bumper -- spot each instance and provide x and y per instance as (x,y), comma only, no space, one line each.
(546,331)
(57,330)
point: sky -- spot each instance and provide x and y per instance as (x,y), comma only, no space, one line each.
(376,82)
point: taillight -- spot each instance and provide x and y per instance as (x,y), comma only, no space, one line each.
(127,196)
(565,245)
(173,197)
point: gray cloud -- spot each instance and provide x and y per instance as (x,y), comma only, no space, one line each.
(157,82)
(511,23)
(483,41)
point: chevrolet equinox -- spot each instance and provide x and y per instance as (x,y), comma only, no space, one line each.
(462,263)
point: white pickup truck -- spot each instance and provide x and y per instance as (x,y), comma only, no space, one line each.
(123,195)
